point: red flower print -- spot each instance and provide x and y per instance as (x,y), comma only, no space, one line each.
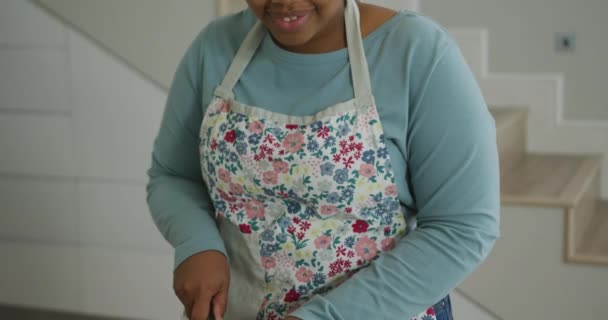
(269,139)
(300,235)
(230,136)
(337,158)
(348,210)
(292,296)
(351,138)
(304,225)
(348,163)
(323,132)
(341,251)
(296,220)
(291,126)
(350,254)
(245,228)
(430,311)
(387,230)
(214,144)
(360,226)
(291,229)
(359,146)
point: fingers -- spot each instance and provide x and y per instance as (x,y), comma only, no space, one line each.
(220,301)
(200,309)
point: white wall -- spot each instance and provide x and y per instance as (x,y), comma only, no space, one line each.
(151,35)
(522,40)
(76,128)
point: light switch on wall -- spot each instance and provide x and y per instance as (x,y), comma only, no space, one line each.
(565,42)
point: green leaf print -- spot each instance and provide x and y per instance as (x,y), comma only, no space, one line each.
(373,122)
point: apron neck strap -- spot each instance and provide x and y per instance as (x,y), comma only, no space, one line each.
(356,54)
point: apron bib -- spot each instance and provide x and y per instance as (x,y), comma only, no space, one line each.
(302,202)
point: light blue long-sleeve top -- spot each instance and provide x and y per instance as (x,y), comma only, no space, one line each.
(440,136)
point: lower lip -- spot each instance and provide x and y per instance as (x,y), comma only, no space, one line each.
(290,26)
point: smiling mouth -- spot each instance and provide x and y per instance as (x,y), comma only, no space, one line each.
(291,21)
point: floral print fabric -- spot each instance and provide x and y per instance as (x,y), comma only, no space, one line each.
(318,197)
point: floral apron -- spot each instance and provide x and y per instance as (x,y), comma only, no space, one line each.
(302,202)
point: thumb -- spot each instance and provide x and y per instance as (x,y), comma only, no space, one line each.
(220,301)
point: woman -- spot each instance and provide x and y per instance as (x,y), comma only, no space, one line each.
(302,143)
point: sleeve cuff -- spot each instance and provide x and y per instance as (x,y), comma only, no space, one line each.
(196,245)
(317,308)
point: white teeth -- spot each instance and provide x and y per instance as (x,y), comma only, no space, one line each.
(289,19)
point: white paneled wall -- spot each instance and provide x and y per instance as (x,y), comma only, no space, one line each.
(76,131)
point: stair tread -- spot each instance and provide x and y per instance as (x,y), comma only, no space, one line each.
(505,116)
(549,179)
(594,243)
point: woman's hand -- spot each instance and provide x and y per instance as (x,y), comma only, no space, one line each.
(202,281)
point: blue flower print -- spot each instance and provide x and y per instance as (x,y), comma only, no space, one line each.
(293,206)
(341,176)
(348,193)
(267,235)
(254,139)
(310,212)
(390,204)
(282,238)
(240,135)
(276,131)
(327,169)
(233,157)
(222,146)
(220,206)
(333,197)
(284,222)
(343,130)
(268,192)
(241,148)
(316,126)
(382,153)
(368,156)
(349,242)
(318,279)
(210,167)
(329,142)
(313,146)
(223,127)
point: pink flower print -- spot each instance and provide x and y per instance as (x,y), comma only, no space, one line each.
(280,166)
(367,170)
(390,190)
(225,106)
(256,127)
(254,209)
(322,242)
(268,262)
(293,142)
(224,175)
(328,210)
(366,248)
(270,177)
(304,274)
(236,188)
(387,244)
(430,311)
